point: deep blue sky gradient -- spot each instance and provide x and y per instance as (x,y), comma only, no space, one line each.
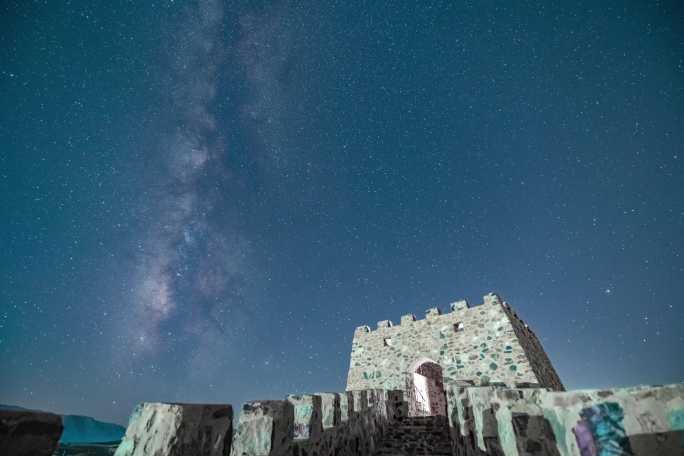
(201,201)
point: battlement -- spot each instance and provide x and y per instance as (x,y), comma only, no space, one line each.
(433,314)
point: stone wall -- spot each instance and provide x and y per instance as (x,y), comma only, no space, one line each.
(484,344)
(482,420)
(641,421)
(537,357)
(156,429)
(324,424)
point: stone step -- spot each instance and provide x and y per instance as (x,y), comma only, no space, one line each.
(423,452)
(437,447)
(416,445)
(424,419)
(422,429)
(417,436)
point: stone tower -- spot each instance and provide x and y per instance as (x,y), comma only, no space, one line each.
(478,345)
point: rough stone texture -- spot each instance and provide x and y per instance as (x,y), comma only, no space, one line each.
(359,400)
(484,344)
(265,428)
(307,416)
(330,409)
(363,431)
(515,435)
(483,424)
(346,405)
(268,427)
(537,357)
(641,421)
(29,433)
(159,429)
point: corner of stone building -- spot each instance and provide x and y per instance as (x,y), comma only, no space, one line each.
(539,361)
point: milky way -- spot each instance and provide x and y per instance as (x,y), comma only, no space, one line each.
(189,155)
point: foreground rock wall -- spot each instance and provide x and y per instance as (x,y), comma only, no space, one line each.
(640,421)
(482,420)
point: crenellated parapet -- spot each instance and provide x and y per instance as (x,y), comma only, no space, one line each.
(432,314)
(456,309)
(324,424)
(482,420)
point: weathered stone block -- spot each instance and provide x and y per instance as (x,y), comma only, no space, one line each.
(459,305)
(265,428)
(397,407)
(362,329)
(407,319)
(346,406)
(307,416)
(432,312)
(377,402)
(479,399)
(491,298)
(157,429)
(360,401)
(330,409)
(639,420)
(29,433)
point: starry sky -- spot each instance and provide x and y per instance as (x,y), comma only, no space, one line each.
(202,200)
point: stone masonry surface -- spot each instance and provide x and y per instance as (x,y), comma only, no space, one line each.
(479,345)
(638,421)
(324,424)
(158,429)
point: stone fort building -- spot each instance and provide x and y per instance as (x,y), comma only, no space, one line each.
(474,381)
(483,345)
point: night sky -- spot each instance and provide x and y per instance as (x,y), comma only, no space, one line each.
(201,201)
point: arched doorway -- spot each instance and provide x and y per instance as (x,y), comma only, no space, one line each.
(425,388)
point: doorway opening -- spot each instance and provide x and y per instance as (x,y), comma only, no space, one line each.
(425,388)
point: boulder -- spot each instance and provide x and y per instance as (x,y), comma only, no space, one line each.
(29,433)
(160,429)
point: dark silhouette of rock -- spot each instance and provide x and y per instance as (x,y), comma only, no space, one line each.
(29,433)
